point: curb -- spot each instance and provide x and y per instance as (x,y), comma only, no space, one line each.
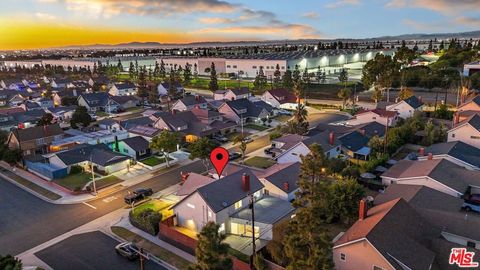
(33,192)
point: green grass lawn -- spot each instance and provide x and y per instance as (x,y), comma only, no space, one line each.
(256,127)
(202,83)
(232,135)
(106,182)
(259,162)
(282,118)
(154,161)
(155,205)
(101,114)
(151,247)
(34,187)
(74,181)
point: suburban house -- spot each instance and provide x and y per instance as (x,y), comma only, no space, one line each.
(136,147)
(441,210)
(123,89)
(280,98)
(27,119)
(28,105)
(138,121)
(62,83)
(76,137)
(384,117)
(467,131)
(45,103)
(280,180)
(104,160)
(292,146)
(99,101)
(389,236)
(185,122)
(467,109)
(34,140)
(355,144)
(146,132)
(125,102)
(62,113)
(164,86)
(191,182)
(71,92)
(438,174)
(407,107)
(232,94)
(456,152)
(215,120)
(226,202)
(244,110)
(189,102)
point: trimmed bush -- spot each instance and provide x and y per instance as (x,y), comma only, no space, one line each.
(76,169)
(146,220)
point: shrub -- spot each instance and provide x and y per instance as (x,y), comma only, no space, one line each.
(147,220)
(76,169)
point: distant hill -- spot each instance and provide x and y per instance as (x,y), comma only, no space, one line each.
(147,45)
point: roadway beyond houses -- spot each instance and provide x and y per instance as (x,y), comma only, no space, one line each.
(41,221)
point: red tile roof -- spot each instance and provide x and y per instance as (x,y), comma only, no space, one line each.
(381,112)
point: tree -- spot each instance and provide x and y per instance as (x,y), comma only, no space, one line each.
(344,94)
(320,76)
(165,142)
(12,156)
(296,77)
(119,66)
(259,263)
(142,89)
(9,262)
(187,74)
(277,77)
(131,71)
(195,71)
(211,251)
(376,144)
(45,120)
(405,93)
(306,77)
(287,81)
(343,197)
(377,95)
(153,96)
(156,71)
(300,124)
(162,73)
(213,85)
(260,83)
(201,149)
(80,116)
(242,144)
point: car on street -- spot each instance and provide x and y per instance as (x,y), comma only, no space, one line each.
(471,206)
(127,250)
(234,155)
(220,138)
(248,140)
(474,198)
(138,195)
(268,151)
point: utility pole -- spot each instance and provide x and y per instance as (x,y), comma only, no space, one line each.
(254,248)
(386,137)
(93,177)
(142,260)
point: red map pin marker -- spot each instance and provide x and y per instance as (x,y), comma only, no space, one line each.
(219,159)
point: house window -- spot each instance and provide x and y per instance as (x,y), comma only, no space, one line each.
(471,244)
(228,66)
(142,152)
(377,268)
(374,118)
(40,141)
(209,213)
(234,66)
(283,67)
(222,227)
(238,204)
(191,205)
(125,150)
(254,67)
(453,135)
(343,257)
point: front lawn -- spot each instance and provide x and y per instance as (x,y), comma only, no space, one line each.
(282,118)
(101,114)
(259,162)
(154,161)
(106,182)
(74,182)
(256,127)
(155,205)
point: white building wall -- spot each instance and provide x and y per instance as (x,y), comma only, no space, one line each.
(404,110)
(192,213)
(466,134)
(423,181)
(250,67)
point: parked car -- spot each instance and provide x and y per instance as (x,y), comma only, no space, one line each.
(234,155)
(138,195)
(268,151)
(248,140)
(220,138)
(474,198)
(127,250)
(285,112)
(471,206)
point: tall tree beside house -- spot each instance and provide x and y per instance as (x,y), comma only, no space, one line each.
(213,85)
(179,74)
(343,77)
(137,69)
(142,89)
(131,71)
(296,76)
(119,66)
(153,96)
(80,116)
(287,80)
(320,76)
(342,200)
(195,71)
(166,142)
(172,87)
(211,251)
(9,262)
(306,78)
(187,74)
(156,71)
(377,95)
(344,94)
(45,120)
(242,144)
(48,92)
(260,83)
(277,77)
(405,93)
(201,149)
(162,72)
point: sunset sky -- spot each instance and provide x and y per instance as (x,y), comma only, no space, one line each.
(26,24)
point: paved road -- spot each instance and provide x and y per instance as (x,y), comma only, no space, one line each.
(75,253)
(27,221)
(324,118)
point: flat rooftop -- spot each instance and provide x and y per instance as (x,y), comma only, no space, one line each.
(268,210)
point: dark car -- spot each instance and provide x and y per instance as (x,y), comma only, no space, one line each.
(268,151)
(473,198)
(138,195)
(234,155)
(127,250)
(220,138)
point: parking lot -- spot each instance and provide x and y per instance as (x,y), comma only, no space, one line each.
(93,250)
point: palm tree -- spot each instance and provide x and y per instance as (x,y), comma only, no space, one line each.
(301,113)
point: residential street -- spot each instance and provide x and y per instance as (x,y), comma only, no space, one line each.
(28,221)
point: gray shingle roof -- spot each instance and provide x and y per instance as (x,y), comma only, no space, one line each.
(228,190)
(96,99)
(323,140)
(100,154)
(139,121)
(125,85)
(38,132)
(458,150)
(193,100)
(474,121)
(279,174)
(354,141)
(137,143)
(253,109)
(414,102)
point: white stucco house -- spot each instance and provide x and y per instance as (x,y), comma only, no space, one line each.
(231,94)
(123,89)
(406,108)
(384,117)
(280,98)
(467,131)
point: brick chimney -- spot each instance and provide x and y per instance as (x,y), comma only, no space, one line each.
(430,156)
(286,186)
(363,132)
(184,176)
(331,138)
(421,151)
(245,182)
(174,112)
(363,209)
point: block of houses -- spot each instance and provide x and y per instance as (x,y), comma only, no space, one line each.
(244,110)
(232,94)
(280,180)
(467,109)
(123,89)
(99,101)
(28,119)
(136,147)
(280,98)
(389,236)
(384,117)
(71,92)
(189,102)
(438,174)
(104,160)
(467,131)
(292,147)
(456,152)
(184,122)
(226,202)
(34,140)
(407,107)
